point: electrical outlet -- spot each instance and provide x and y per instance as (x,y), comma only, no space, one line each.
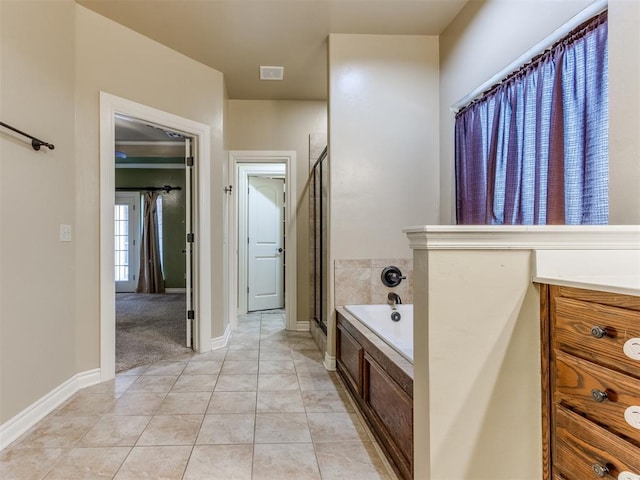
(65,233)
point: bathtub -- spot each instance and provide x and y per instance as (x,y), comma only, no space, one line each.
(398,335)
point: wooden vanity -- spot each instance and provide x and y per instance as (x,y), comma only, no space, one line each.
(591,384)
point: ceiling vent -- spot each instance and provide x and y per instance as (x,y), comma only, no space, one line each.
(271,73)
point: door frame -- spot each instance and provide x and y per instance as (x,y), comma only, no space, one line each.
(246,170)
(245,158)
(111,105)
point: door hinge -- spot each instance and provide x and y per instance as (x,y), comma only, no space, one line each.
(191,314)
(191,237)
(189,161)
(247,289)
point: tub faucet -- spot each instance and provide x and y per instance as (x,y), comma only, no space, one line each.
(393,299)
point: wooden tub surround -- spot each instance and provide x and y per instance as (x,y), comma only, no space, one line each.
(381,382)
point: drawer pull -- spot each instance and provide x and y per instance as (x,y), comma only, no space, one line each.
(600,470)
(599,395)
(598,332)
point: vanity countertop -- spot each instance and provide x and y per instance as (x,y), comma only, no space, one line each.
(615,271)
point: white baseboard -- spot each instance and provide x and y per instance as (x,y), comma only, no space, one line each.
(330,362)
(27,418)
(223,341)
(302,326)
(175,290)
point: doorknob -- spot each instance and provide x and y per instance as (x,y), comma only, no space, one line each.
(280,250)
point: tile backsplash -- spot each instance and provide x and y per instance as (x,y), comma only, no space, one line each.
(359,281)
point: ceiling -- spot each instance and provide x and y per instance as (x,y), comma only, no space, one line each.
(237,36)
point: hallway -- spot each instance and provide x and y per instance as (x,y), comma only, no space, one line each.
(263,408)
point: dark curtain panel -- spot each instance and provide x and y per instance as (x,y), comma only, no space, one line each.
(150,279)
(534,149)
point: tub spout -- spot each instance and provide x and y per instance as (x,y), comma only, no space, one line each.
(393,299)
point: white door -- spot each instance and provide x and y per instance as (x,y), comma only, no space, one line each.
(127,240)
(266,247)
(190,314)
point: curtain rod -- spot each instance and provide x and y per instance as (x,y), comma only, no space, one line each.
(36,143)
(166,189)
(595,8)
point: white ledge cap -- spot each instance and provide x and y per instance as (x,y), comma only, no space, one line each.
(524,237)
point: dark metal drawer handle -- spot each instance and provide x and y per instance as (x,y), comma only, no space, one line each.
(599,395)
(600,470)
(598,332)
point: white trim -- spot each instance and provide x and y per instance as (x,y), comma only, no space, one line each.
(303,326)
(27,418)
(597,7)
(151,143)
(223,341)
(110,105)
(503,237)
(175,290)
(330,362)
(237,157)
(157,166)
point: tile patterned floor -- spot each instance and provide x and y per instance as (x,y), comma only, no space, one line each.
(264,408)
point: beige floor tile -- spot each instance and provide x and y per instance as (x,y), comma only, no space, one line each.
(234,367)
(277,366)
(313,355)
(282,428)
(118,385)
(220,462)
(236,383)
(153,384)
(349,461)
(336,427)
(243,353)
(217,354)
(317,401)
(276,381)
(188,403)
(27,463)
(166,368)
(277,355)
(232,402)
(310,367)
(137,371)
(280,402)
(317,381)
(58,432)
(194,383)
(171,430)
(275,346)
(137,403)
(204,367)
(87,404)
(157,463)
(285,461)
(229,428)
(89,463)
(115,431)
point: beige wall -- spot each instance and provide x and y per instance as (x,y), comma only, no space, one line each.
(37,194)
(624,111)
(488,35)
(283,125)
(383,146)
(477,350)
(116,60)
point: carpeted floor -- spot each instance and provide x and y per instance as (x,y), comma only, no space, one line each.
(149,328)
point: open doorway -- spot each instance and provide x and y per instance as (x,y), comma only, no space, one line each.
(263,266)
(152,199)
(195,143)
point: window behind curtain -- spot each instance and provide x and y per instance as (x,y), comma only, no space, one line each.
(534,149)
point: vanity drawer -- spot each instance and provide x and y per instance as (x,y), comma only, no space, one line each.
(574,321)
(576,379)
(582,446)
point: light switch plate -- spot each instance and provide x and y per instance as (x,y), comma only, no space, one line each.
(65,232)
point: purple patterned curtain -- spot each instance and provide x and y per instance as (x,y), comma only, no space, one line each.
(534,149)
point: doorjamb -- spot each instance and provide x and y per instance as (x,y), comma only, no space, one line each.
(110,105)
(238,158)
(245,170)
